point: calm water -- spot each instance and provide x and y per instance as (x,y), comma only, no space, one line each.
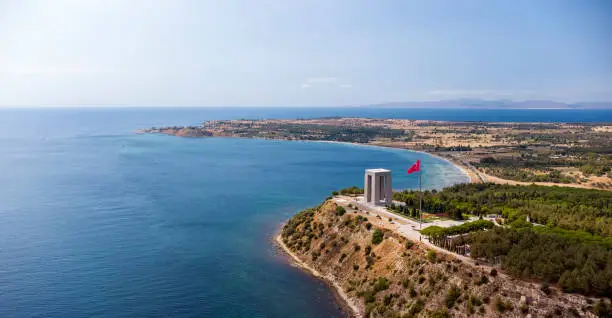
(98,221)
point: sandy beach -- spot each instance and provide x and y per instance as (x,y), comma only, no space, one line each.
(463,169)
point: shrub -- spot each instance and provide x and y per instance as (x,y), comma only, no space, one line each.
(546,289)
(340,211)
(368,226)
(381,284)
(493,272)
(451,297)
(356,247)
(483,280)
(441,313)
(474,300)
(377,236)
(413,292)
(416,308)
(355,267)
(335,193)
(368,296)
(368,249)
(432,256)
(603,309)
(409,244)
(502,306)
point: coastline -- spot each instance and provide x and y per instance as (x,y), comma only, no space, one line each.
(347,302)
(460,167)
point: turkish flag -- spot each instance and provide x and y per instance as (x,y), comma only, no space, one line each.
(415,167)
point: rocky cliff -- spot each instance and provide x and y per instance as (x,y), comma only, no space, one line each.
(385,275)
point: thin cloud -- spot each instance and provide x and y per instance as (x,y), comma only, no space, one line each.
(324,81)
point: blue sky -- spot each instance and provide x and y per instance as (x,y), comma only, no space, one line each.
(301,52)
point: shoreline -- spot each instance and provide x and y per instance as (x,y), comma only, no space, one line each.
(452,163)
(347,303)
(458,166)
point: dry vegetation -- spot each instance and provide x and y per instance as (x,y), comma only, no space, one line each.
(389,276)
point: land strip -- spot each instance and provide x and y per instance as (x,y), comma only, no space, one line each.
(574,155)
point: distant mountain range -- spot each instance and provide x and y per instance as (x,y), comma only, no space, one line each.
(499,104)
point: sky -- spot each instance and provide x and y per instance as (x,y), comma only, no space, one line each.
(301,52)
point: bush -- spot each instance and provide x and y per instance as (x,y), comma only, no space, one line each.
(432,256)
(377,236)
(412,292)
(381,284)
(502,306)
(368,249)
(340,211)
(483,280)
(368,226)
(493,272)
(441,313)
(368,296)
(351,191)
(435,231)
(335,193)
(603,309)
(355,267)
(416,308)
(451,297)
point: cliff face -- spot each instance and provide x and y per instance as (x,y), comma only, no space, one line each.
(388,276)
(186,132)
(178,131)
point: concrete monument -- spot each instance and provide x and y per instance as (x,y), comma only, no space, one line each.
(377,187)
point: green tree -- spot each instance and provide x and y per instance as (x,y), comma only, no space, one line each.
(377,236)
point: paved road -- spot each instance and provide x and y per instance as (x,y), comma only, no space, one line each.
(404,226)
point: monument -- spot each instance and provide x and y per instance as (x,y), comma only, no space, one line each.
(377,187)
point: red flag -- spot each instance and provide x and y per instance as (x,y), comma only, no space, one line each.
(415,167)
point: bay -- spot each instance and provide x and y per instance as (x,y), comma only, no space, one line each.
(98,221)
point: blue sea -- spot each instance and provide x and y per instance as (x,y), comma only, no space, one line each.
(96,221)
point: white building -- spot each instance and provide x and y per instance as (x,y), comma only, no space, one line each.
(377,186)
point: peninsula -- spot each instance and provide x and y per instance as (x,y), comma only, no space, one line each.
(576,155)
(488,265)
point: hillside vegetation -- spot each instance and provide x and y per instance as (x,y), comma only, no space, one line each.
(390,276)
(572,247)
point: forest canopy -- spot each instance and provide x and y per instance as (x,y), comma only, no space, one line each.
(558,235)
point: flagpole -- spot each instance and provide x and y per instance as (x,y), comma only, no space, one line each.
(420,201)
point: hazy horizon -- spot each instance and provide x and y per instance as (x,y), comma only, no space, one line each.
(301,53)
